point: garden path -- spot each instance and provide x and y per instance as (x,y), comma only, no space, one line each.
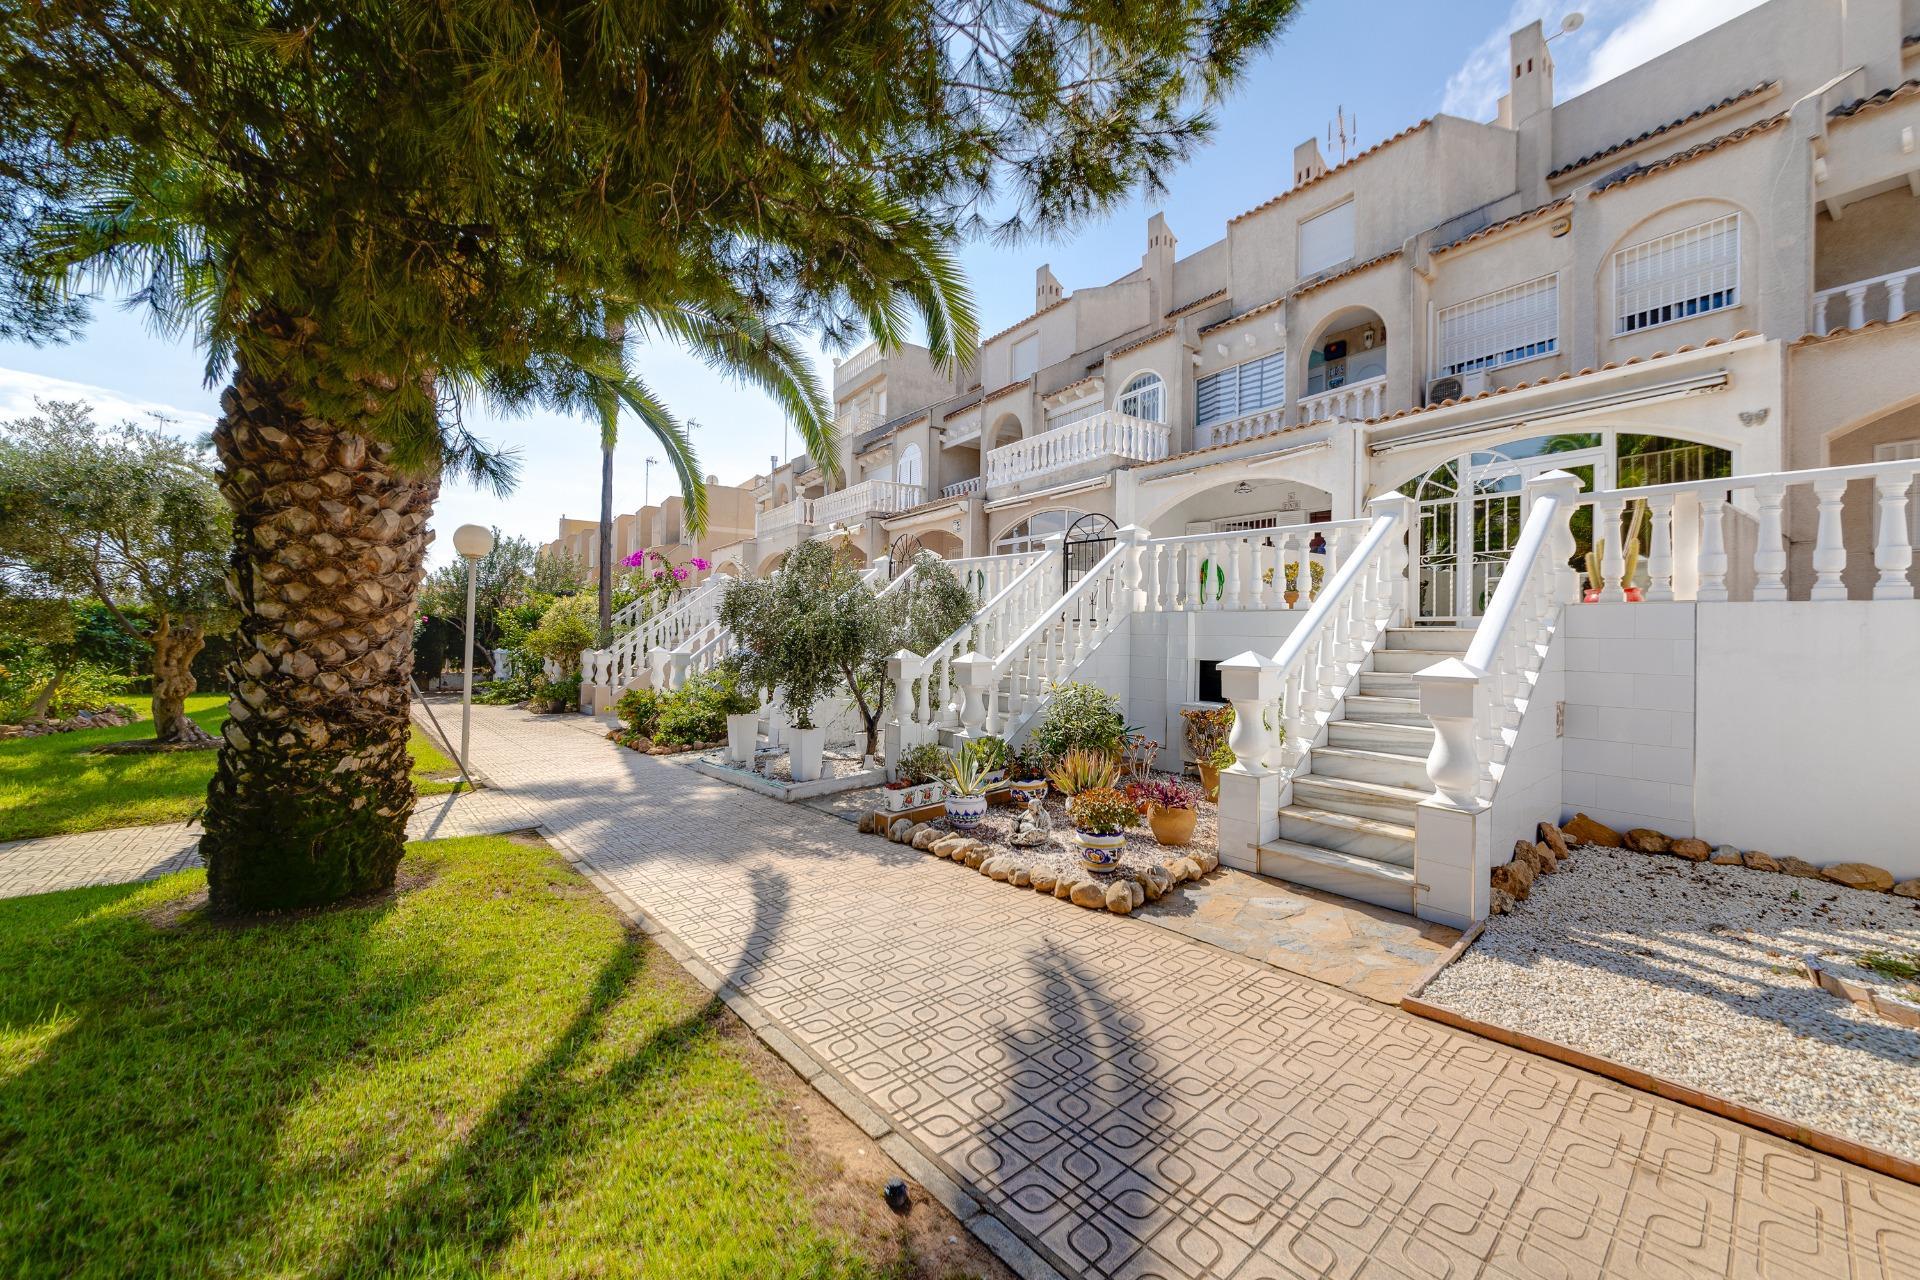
(1119,1100)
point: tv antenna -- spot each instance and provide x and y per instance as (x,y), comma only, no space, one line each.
(1344,131)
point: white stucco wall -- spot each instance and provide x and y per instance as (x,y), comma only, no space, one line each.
(1529,792)
(1627,758)
(1805,740)
(1165,653)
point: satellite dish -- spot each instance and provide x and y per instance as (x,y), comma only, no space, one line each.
(1572,22)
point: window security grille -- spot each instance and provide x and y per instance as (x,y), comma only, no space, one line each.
(1687,273)
(1243,389)
(1501,328)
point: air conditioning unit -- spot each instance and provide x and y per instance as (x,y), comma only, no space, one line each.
(1458,386)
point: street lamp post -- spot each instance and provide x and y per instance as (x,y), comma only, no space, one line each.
(473,542)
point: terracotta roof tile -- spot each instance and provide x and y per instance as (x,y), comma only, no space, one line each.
(1051,306)
(1563,377)
(1264,205)
(1007,390)
(1694,152)
(1813,339)
(1140,342)
(1712,108)
(1197,303)
(1906,89)
(1514,221)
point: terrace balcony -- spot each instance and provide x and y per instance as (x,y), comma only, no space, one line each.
(1849,306)
(780,519)
(868,498)
(1355,402)
(1107,439)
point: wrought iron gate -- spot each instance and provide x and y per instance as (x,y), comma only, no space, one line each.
(1089,539)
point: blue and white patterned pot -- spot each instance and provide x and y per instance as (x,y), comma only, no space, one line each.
(1031,789)
(1098,852)
(964,811)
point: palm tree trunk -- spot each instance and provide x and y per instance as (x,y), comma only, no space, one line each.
(175,646)
(310,799)
(606,544)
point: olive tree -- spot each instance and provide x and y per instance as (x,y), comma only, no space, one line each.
(127,516)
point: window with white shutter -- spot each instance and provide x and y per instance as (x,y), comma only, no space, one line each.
(1501,328)
(1243,389)
(1025,357)
(1671,277)
(1326,240)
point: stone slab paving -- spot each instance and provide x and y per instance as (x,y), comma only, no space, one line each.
(1130,1103)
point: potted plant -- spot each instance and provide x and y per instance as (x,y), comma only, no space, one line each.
(1207,729)
(966,770)
(1172,807)
(994,753)
(1083,770)
(1027,774)
(1292,594)
(742,710)
(1101,817)
(916,783)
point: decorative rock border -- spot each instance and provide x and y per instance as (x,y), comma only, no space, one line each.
(1514,881)
(1868,996)
(1119,892)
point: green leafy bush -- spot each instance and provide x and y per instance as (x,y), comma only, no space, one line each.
(1102,811)
(922,764)
(1080,717)
(698,713)
(569,625)
(555,695)
(639,710)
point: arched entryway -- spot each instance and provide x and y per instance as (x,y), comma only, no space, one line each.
(1468,510)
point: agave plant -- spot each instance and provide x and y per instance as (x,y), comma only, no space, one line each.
(968,767)
(1083,770)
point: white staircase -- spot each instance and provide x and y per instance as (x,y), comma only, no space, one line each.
(1349,828)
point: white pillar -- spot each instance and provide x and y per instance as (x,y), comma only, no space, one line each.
(974,671)
(1250,792)
(1450,862)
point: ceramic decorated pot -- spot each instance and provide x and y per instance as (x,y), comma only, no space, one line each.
(1031,789)
(964,811)
(1099,852)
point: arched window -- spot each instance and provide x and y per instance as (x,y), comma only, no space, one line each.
(1029,533)
(910,469)
(1145,397)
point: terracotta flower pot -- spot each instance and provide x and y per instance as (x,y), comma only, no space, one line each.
(1172,826)
(1210,782)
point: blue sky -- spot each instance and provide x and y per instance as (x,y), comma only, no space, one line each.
(1389,63)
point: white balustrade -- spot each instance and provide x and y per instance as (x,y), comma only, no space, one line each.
(973,484)
(1764,498)
(1354,402)
(927,693)
(1251,426)
(1886,298)
(779,519)
(664,631)
(1240,569)
(869,497)
(1109,436)
(857,363)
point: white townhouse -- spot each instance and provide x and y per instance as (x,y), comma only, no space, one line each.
(1655,347)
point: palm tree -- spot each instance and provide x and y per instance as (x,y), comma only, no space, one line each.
(370,213)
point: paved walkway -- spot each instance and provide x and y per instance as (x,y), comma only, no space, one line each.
(1130,1103)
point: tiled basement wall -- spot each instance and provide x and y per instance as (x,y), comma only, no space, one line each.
(1628,752)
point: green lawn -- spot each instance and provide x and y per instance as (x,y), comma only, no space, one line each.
(485,1074)
(51,786)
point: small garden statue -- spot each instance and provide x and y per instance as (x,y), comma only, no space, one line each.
(1033,826)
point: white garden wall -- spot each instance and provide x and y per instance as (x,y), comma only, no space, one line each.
(1166,649)
(1627,758)
(1807,717)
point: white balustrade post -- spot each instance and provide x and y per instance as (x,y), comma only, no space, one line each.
(902,732)
(974,672)
(1450,856)
(1132,540)
(1770,548)
(1660,556)
(1563,488)
(1896,297)
(1830,548)
(1713,549)
(1394,557)
(503,664)
(1250,793)
(1856,305)
(678,663)
(1892,551)
(1613,556)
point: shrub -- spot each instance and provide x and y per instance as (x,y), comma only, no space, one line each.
(1080,717)
(1026,764)
(993,750)
(698,712)
(1102,811)
(1165,793)
(555,695)
(569,625)
(921,764)
(639,710)
(1207,731)
(1083,771)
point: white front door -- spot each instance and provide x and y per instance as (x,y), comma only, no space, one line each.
(1469,518)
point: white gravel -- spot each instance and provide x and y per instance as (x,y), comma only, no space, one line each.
(1689,971)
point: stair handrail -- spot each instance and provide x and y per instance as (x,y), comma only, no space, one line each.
(924,685)
(628,654)
(1078,621)
(1474,701)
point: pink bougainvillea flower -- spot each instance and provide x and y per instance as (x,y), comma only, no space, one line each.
(659,574)
(680,574)
(700,564)
(635,560)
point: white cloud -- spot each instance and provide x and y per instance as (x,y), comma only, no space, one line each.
(20,389)
(1650,30)
(1618,35)
(1474,90)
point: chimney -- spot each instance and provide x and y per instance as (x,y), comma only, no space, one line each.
(1308,163)
(1530,108)
(1157,263)
(1046,289)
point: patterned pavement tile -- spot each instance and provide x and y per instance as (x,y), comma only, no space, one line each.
(1136,1105)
